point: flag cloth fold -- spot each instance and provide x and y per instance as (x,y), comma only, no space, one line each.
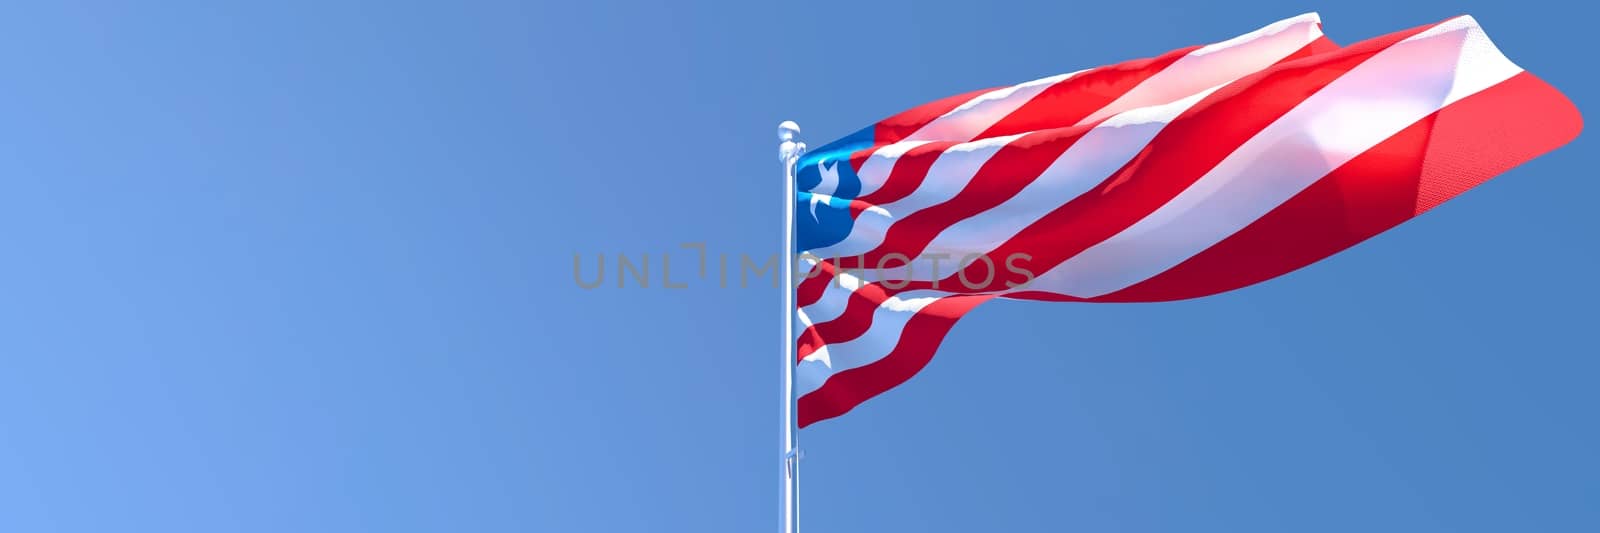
(1186,174)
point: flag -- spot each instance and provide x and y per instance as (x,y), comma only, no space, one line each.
(1182,175)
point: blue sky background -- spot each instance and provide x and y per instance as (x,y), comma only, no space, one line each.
(306,266)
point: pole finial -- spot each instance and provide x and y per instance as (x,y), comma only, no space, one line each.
(789,147)
(788,130)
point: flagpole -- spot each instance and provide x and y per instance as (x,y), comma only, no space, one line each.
(789,151)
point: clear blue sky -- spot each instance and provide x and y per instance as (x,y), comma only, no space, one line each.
(306,266)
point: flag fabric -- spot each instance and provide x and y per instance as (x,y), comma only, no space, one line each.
(1186,174)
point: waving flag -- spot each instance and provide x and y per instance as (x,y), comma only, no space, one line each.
(1198,171)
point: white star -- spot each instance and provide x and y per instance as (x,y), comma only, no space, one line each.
(830,178)
(825,188)
(817,199)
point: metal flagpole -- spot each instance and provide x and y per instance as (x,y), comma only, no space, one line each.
(789,151)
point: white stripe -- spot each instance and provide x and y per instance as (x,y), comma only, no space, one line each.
(834,298)
(831,306)
(948,175)
(804,320)
(875,169)
(1102,150)
(980,113)
(888,320)
(1219,63)
(1380,97)
(1205,67)
(1098,154)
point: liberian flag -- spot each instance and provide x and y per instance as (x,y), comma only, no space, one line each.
(1194,172)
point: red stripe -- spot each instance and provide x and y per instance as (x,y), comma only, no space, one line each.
(1006,173)
(918,341)
(1428,163)
(854,322)
(1178,156)
(1439,157)
(857,207)
(1322,45)
(1185,150)
(812,288)
(911,235)
(893,129)
(1074,99)
(860,156)
(1063,104)
(908,173)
